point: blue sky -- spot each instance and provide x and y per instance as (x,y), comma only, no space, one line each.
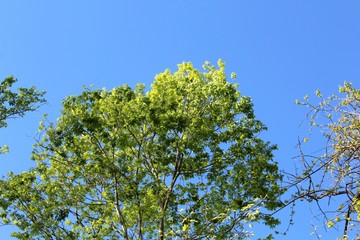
(280,50)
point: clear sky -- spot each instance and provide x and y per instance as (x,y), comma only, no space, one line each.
(280,50)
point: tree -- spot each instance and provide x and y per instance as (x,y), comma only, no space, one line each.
(182,161)
(334,174)
(16,104)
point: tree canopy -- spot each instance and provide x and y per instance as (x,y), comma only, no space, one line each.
(183,160)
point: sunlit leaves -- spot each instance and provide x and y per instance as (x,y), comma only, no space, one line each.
(183,160)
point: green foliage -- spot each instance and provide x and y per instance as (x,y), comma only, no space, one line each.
(181,161)
(16,104)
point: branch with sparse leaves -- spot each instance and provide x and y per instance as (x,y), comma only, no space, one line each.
(334,172)
(14,104)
